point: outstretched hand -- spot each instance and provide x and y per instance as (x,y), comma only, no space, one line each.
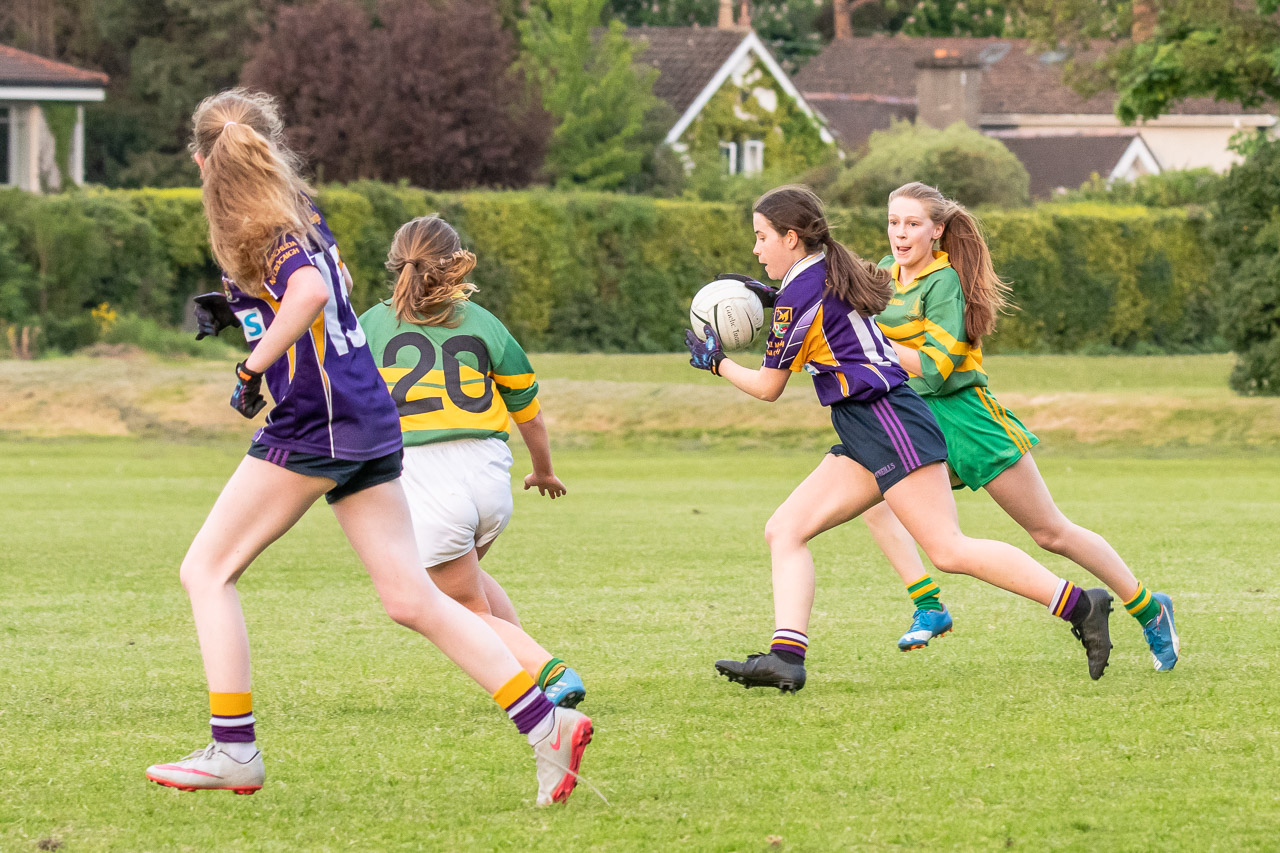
(704,354)
(213,314)
(548,485)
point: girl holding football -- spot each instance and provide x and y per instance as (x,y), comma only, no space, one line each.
(457,376)
(890,446)
(334,431)
(943,304)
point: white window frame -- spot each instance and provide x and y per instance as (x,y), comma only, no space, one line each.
(753,157)
(731,150)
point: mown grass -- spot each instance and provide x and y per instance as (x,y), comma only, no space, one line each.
(651,567)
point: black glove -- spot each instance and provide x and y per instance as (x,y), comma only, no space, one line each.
(213,314)
(705,354)
(766,293)
(247,397)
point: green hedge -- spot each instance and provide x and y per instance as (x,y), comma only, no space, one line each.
(582,271)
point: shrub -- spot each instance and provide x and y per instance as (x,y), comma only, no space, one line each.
(1177,188)
(1246,233)
(961,162)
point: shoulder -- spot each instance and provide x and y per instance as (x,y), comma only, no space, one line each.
(943,281)
(378,312)
(885,262)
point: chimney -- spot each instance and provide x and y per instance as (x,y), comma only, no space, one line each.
(725,19)
(744,15)
(843,28)
(1144,21)
(948,90)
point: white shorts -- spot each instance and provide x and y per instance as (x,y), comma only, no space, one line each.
(459,494)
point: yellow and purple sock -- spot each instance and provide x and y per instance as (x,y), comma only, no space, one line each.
(524,702)
(1065,598)
(924,593)
(1143,606)
(551,672)
(790,643)
(231,717)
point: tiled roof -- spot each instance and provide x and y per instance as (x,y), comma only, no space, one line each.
(686,58)
(853,119)
(1016,78)
(19,68)
(1055,162)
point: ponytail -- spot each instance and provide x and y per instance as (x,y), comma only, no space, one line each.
(252,189)
(858,282)
(986,295)
(431,267)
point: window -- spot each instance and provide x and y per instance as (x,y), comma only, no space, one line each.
(6,147)
(752,157)
(729,156)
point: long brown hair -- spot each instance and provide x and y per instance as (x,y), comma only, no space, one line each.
(855,280)
(986,295)
(253,191)
(431,267)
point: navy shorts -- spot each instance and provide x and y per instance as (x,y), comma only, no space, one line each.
(350,475)
(890,437)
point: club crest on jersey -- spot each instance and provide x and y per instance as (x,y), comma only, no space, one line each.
(781,320)
(252,323)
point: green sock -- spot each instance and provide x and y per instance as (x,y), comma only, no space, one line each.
(551,672)
(1143,606)
(924,593)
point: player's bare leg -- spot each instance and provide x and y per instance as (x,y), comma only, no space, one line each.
(1021,492)
(258,504)
(836,491)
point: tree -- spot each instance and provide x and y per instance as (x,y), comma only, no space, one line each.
(599,99)
(1225,49)
(427,94)
(1246,234)
(953,17)
(964,164)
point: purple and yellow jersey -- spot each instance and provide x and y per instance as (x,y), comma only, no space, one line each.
(817,331)
(329,399)
(450,384)
(927,314)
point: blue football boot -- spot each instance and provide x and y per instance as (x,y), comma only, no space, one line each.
(925,625)
(568,690)
(1161,635)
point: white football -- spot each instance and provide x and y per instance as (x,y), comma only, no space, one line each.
(731,309)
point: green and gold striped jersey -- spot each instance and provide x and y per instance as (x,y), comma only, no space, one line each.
(450,384)
(927,314)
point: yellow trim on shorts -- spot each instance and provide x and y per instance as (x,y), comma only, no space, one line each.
(1001,417)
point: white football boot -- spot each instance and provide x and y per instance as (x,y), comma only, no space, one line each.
(559,755)
(213,768)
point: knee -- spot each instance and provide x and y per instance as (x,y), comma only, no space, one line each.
(1055,537)
(779,534)
(199,576)
(412,606)
(403,609)
(949,557)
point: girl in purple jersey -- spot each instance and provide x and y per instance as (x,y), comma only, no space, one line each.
(334,431)
(891,447)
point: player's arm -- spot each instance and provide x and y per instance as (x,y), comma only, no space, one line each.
(706,353)
(908,357)
(305,296)
(543,478)
(945,345)
(766,384)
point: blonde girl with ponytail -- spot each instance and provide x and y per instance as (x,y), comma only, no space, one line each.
(890,448)
(333,432)
(458,378)
(945,302)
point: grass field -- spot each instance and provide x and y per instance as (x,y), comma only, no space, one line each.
(653,566)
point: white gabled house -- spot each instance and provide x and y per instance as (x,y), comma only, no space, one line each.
(42,120)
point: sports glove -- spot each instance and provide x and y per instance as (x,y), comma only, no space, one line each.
(213,314)
(247,397)
(766,293)
(706,354)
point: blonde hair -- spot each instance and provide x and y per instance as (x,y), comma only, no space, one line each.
(985,293)
(855,280)
(252,188)
(430,266)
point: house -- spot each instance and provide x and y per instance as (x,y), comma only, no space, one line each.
(42,120)
(1009,89)
(732,100)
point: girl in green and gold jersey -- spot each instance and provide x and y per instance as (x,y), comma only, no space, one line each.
(944,303)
